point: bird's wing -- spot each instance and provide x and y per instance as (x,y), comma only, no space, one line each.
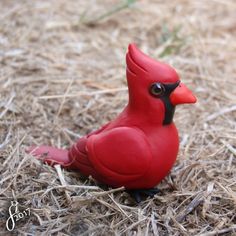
(120,155)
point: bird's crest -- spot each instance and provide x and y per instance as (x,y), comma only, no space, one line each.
(141,65)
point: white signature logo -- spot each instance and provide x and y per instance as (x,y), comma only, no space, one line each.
(15,215)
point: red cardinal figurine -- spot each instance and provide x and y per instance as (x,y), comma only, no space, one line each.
(138,148)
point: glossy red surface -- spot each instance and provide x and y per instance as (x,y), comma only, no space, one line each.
(135,150)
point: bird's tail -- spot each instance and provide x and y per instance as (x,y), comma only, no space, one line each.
(51,155)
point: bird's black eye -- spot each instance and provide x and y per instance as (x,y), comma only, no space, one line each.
(157,89)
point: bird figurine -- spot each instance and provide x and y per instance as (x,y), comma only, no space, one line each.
(139,147)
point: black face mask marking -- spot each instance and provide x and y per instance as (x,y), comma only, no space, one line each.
(165,97)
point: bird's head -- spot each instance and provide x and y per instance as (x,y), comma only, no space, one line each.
(154,87)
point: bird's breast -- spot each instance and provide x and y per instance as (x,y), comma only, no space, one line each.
(164,144)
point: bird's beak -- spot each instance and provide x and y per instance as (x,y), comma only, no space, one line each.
(182,95)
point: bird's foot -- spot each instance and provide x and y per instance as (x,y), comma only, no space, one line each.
(139,194)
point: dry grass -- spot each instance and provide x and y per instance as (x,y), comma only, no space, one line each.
(62,77)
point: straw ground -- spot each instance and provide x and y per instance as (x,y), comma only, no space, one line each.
(62,74)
